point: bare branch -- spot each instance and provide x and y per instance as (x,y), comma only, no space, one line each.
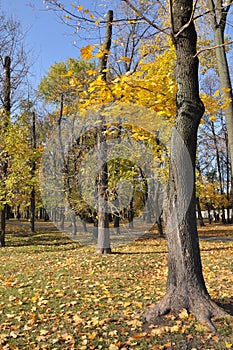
(212,48)
(89,20)
(171,17)
(144,17)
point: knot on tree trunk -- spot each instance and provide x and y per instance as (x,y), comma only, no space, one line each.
(190,109)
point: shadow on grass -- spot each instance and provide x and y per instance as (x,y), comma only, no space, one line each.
(45,237)
(212,248)
(226,304)
(138,253)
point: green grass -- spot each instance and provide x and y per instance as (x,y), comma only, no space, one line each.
(55,294)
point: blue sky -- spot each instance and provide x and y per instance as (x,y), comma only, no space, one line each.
(47,39)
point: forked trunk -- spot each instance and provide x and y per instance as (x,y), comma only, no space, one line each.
(185,284)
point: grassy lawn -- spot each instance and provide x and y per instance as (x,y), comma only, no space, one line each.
(55,294)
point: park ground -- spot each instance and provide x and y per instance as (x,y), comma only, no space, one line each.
(56,294)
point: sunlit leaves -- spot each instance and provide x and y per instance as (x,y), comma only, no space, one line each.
(65,78)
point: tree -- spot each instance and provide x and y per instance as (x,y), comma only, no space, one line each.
(60,79)
(214,169)
(185,284)
(14,64)
(12,41)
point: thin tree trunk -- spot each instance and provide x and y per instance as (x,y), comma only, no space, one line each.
(74,225)
(4,161)
(160,226)
(200,218)
(218,21)
(131,214)
(228,179)
(116,216)
(103,244)
(62,218)
(33,169)
(185,284)
(3,227)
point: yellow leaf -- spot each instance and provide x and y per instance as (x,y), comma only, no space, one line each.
(228,345)
(73,81)
(216,94)
(113,347)
(99,54)
(86,52)
(69,73)
(35,297)
(91,72)
(67,17)
(126,59)
(127,303)
(86,11)
(77,320)
(92,335)
(212,118)
(183,313)
(113,333)
(13,334)
(174,329)
(80,8)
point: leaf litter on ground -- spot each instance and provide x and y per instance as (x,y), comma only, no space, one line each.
(55,294)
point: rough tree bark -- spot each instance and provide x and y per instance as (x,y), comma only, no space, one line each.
(103,243)
(185,284)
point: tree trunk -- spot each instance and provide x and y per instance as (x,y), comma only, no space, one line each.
(4,161)
(62,218)
(160,226)
(131,214)
(74,225)
(3,227)
(33,169)
(200,218)
(103,244)
(229,178)
(185,284)
(218,18)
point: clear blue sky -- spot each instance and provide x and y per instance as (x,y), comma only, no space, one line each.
(47,38)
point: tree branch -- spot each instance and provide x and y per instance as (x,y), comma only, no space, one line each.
(186,25)
(144,17)
(93,21)
(212,48)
